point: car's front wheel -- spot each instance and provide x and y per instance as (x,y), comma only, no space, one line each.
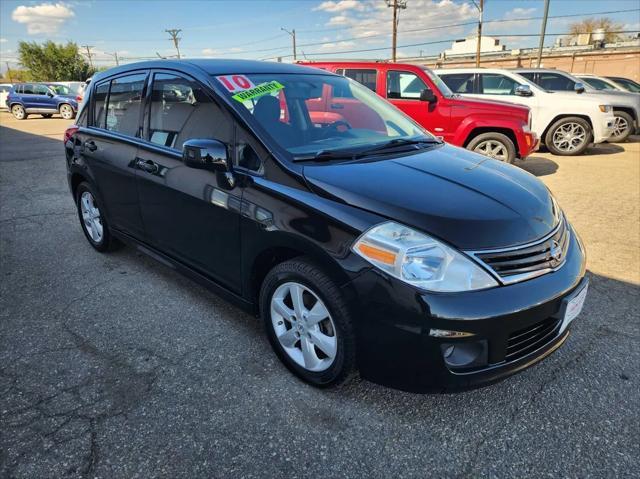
(622,127)
(92,219)
(568,136)
(494,145)
(308,323)
(67,112)
(19,112)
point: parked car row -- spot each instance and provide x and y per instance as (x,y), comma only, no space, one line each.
(564,114)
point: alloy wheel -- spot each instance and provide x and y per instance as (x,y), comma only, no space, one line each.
(492,149)
(91,217)
(18,112)
(304,327)
(66,111)
(569,137)
(620,126)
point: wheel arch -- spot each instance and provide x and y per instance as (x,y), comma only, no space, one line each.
(509,133)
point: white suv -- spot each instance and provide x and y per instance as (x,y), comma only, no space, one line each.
(565,122)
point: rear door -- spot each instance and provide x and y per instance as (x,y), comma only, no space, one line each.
(190,214)
(110,144)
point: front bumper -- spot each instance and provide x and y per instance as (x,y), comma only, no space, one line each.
(603,130)
(528,142)
(395,347)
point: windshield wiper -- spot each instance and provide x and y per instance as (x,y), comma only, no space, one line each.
(326,155)
(401,142)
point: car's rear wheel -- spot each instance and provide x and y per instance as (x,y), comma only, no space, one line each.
(92,219)
(67,112)
(308,323)
(19,112)
(622,127)
(569,136)
(494,145)
(46,115)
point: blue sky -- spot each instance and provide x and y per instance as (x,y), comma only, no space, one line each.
(252,29)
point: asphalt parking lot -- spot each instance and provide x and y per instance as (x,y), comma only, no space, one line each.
(114,366)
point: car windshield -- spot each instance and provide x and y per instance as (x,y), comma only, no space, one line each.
(628,84)
(442,86)
(59,89)
(315,115)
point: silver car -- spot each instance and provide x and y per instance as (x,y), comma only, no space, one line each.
(626,105)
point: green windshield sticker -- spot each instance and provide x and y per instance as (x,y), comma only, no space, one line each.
(259,90)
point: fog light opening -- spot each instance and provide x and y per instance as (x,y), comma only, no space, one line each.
(465,354)
(449,351)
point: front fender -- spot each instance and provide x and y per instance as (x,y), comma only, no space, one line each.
(470,123)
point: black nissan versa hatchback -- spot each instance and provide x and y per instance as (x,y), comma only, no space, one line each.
(362,241)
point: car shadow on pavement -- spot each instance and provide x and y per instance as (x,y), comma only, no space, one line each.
(539,166)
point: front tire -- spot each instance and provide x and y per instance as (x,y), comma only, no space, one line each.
(622,127)
(308,323)
(494,145)
(19,113)
(569,136)
(66,111)
(92,219)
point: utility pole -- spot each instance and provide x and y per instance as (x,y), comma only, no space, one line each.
(114,55)
(542,32)
(396,5)
(479,39)
(293,36)
(89,54)
(9,72)
(176,39)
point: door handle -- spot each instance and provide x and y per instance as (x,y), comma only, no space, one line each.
(147,165)
(337,106)
(90,145)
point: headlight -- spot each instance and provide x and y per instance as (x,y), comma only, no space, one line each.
(420,260)
(605,108)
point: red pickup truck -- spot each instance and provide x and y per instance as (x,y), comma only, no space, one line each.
(496,129)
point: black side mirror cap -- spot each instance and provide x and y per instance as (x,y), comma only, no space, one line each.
(579,87)
(206,155)
(428,96)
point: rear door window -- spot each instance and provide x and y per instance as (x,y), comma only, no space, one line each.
(404,85)
(124,104)
(367,77)
(27,89)
(459,82)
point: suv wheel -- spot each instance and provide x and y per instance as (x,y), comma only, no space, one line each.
(94,224)
(568,136)
(308,323)
(19,112)
(494,145)
(66,111)
(622,126)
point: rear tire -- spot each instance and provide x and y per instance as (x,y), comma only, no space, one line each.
(494,145)
(569,136)
(622,127)
(19,113)
(92,219)
(314,335)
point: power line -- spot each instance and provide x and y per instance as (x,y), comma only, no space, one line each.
(89,54)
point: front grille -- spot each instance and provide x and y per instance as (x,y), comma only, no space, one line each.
(527,340)
(530,260)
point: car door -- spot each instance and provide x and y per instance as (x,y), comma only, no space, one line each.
(403,89)
(109,148)
(41,98)
(190,214)
(28,96)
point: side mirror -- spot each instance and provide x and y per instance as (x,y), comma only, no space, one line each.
(50,94)
(523,90)
(579,87)
(428,96)
(206,155)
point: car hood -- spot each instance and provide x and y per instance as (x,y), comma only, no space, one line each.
(465,199)
(491,105)
(615,98)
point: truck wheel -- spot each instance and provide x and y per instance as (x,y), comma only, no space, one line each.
(568,136)
(494,145)
(19,112)
(622,127)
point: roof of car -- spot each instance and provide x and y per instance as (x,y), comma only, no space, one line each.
(215,66)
